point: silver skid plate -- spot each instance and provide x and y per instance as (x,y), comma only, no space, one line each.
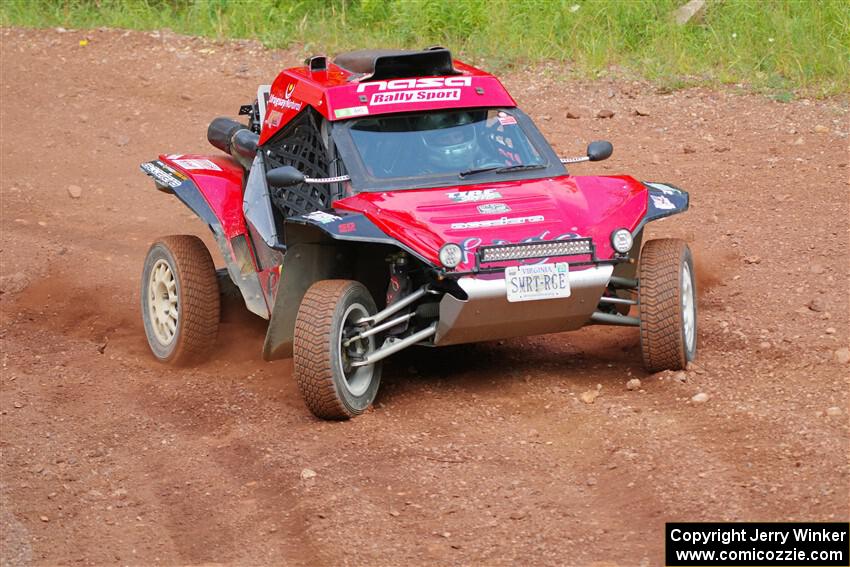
(488,315)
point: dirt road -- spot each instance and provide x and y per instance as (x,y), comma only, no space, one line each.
(481,455)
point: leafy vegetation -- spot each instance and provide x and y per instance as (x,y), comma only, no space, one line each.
(773,45)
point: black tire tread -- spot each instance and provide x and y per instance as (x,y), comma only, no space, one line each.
(312,350)
(662,342)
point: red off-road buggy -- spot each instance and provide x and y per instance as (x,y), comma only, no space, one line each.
(390,199)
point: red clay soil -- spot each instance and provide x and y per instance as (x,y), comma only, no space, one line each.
(479,455)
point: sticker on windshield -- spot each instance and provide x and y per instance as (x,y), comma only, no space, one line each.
(506,120)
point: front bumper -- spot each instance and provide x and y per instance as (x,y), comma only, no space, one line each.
(487,314)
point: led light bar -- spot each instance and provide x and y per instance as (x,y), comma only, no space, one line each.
(507,252)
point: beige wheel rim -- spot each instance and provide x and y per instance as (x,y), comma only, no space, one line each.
(162,302)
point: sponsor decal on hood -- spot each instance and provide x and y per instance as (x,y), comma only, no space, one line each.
(475,195)
(493,208)
(504,221)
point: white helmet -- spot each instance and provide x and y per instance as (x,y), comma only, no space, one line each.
(448,139)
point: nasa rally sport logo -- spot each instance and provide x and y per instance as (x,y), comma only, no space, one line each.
(429,89)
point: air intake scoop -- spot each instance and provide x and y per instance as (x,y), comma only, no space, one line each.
(382,64)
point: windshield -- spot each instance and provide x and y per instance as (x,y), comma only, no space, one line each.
(455,142)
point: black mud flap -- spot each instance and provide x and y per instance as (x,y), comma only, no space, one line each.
(303,265)
(324,245)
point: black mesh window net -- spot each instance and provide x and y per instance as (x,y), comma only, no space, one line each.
(300,145)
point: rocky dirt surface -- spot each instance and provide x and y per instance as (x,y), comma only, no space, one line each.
(542,451)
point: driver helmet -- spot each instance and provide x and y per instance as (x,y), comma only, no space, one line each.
(448,140)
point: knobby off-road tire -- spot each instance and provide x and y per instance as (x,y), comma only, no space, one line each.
(668,310)
(331,388)
(180,300)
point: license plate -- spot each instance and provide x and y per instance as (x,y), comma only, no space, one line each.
(538,281)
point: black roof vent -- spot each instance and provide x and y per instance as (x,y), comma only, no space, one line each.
(381,64)
(317,63)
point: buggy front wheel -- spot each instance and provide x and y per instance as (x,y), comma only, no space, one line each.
(668,308)
(324,352)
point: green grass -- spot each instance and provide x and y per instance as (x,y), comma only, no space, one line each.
(775,46)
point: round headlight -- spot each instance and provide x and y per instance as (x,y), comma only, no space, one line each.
(622,240)
(450,255)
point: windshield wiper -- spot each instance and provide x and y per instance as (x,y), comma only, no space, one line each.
(502,169)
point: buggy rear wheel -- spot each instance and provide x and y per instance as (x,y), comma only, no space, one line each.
(668,309)
(323,353)
(180,300)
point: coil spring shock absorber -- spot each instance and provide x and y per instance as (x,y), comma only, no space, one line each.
(399,286)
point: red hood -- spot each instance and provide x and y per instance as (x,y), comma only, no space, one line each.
(537,209)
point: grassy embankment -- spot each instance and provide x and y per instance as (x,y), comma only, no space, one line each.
(777,46)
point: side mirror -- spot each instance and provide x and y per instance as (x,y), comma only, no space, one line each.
(597,151)
(284,176)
